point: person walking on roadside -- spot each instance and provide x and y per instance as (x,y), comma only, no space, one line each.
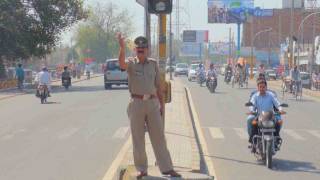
(20,76)
(146,107)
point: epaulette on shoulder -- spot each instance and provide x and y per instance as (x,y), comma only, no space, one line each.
(153,60)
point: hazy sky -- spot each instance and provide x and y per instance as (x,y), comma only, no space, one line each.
(193,14)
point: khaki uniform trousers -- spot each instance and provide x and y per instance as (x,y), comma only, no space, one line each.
(147,112)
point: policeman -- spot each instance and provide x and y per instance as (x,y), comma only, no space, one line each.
(145,107)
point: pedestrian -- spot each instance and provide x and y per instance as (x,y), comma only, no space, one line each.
(20,76)
(145,107)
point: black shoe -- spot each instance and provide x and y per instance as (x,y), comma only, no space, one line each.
(172,173)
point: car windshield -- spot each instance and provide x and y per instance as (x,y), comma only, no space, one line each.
(182,66)
(113,65)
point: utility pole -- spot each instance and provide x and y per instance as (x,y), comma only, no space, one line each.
(162,60)
(291,60)
(170,36)
(229,58)
(251,59)
(147,26)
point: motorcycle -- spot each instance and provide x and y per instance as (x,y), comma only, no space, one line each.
(265,144)
(66,82)
(228,76)
(88,74)
(212,84)
(43,93)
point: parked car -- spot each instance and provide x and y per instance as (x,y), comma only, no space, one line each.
(113,75)
(170,69)
(181,69)
(271,74)
(192,73)
(306,80)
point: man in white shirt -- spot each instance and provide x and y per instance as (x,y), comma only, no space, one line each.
(44,78)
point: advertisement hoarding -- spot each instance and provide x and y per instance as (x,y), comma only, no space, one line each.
(228,11)
(191,49)
(219,48)
(198,36)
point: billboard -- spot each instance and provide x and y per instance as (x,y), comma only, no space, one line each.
(229,11)
(191,49)
(219,48)
(196,36)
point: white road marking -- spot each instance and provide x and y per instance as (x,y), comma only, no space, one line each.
(121,133)
(7,137)
(67,133)
(12,135)
(216,133)
(293,134)
(242,133)
(314,133)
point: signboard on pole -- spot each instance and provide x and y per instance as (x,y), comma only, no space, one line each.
(196,36)
(190,49)
(219,48)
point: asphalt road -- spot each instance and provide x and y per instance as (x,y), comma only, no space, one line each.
(223,120)
(76,136)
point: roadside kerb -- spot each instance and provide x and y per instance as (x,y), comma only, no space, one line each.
(181,142)
(56,83)
(202,144)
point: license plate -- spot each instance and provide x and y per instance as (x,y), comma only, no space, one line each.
(267,130)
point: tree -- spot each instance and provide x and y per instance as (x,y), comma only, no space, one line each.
(32,27)
(96,38)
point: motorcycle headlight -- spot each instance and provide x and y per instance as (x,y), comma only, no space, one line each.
(268,124)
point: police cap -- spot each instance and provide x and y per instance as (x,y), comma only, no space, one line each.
(141,42)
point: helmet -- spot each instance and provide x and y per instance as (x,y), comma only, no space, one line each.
(44,68)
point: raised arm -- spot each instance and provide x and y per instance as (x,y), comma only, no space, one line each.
(122,52)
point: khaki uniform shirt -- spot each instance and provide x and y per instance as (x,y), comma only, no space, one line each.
(144,78)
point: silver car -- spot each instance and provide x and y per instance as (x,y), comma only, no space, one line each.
(181,69)
(113,75)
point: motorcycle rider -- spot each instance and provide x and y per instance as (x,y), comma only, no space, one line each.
(263,101)
(201,71)
(295,77)
(45,79)
(228,68)
(211,73)
(66,75)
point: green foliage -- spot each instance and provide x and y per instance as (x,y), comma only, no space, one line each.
(32,27)
(96,38)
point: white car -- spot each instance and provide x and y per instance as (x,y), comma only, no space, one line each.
(192,72)
(181,69)
(113,75)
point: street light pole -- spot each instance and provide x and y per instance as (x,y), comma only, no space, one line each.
(252,42)
(301,28)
